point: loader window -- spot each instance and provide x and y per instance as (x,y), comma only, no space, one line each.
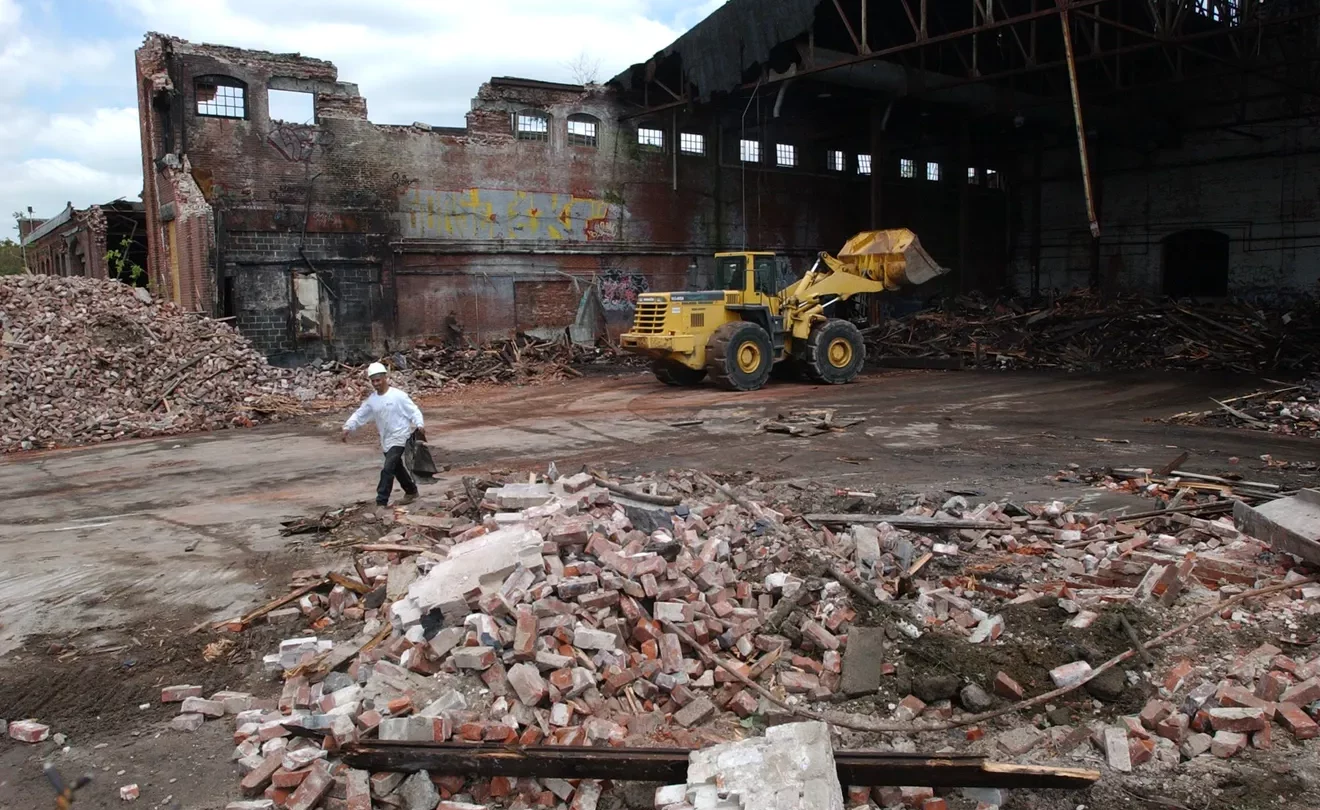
(767,275)
(731,273)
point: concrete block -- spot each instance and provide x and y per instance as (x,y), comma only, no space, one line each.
(1070,674)
(482,563)
(184,722)
(418,792)
(862,661)
(518,496)
(1290,525)
(1117,752)
(790,768)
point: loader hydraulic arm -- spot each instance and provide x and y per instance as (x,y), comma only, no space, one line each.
(871,262)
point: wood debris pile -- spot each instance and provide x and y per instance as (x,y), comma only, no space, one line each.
(1292,411)
(84,360)
(1084,332)
(807,422)
(426,369)
(568,613)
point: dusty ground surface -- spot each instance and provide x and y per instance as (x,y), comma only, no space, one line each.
(110,555)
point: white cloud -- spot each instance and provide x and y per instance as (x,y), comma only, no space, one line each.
(47,184)
(422,60)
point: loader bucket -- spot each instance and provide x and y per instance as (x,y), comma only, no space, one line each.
(897,251)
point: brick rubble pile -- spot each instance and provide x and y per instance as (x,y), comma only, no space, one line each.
(84,360)
(572,613)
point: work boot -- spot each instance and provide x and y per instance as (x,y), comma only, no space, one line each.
(407,498)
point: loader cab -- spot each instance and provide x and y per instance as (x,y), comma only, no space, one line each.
(757,275)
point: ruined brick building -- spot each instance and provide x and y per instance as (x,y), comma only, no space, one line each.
(786,126)
(100,241)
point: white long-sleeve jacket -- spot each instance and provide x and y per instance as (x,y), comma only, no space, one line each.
(394,413)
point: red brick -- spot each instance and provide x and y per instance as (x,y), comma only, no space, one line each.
(28,731)
(1178,675)
(357,789)
(1298,722)
(257,779)
(1154,712)
(1303,693)
(1272,685)
(289,779)
(934,803)
(858,794)
(1238,719)
(176,694)
(312,789)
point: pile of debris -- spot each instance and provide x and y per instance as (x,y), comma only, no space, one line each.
(1082,331)
(83,360)
(426,370)
(583,612)
(1292,411)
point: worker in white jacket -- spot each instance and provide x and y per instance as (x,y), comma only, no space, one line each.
(396,417)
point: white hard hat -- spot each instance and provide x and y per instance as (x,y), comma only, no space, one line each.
(376,368)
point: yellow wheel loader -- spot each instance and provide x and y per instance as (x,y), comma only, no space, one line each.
(746,327)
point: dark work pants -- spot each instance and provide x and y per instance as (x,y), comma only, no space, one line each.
(394,469)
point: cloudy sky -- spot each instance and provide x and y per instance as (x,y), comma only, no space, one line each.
(68,106)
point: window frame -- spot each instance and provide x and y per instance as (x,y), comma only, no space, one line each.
(218,81)
(831,165)
(934,172)
(907,168)
(578,139)
(864,166)
(786,155)
(533,135)
(746,147)
(650,146)
(684,142)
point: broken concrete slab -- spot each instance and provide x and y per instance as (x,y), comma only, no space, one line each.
(481,563)
(1290,525)
(791,767)
(862,661)
(512,497)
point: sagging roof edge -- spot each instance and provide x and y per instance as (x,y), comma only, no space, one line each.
(717,51)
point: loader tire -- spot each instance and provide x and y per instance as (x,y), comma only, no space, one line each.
(739,356)
(672,372)
(835,352)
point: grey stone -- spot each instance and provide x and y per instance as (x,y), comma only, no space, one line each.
(1108,685)
(418,793)
(646,517)
(975,699)
(868,545)
(1020,740)
(336,681)
(932,688)
(862,661)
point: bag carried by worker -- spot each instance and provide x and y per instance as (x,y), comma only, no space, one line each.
(417,458)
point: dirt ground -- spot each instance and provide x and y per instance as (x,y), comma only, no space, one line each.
(110,555)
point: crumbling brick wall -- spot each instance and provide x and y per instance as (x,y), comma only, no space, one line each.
(415,222)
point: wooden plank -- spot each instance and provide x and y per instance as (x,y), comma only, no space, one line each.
(669,765)
(242,622)
(909,521)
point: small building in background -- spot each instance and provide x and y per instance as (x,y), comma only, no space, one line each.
(100,241)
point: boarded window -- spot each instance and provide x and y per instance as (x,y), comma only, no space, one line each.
(582,130)
(973,176)
(650,138)
(785,154)
(221,97)
(531,125)
(993,179)
(863,164)
(292,107)
(691,143)
(907,167)
(749,151)
(835,161)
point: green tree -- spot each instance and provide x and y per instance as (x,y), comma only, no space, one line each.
(11,257)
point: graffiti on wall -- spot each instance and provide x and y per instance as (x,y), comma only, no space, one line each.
(297,143)
(619,289)
(477,213)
